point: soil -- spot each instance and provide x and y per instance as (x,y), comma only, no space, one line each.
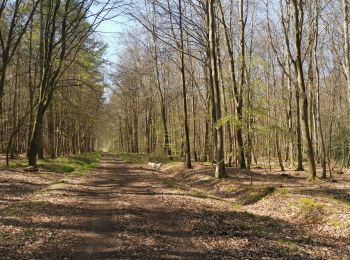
(122,211)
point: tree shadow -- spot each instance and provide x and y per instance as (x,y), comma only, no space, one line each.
(261,235)
(83,223)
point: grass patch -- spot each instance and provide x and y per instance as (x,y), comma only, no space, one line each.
(252,195)
(59,168)
(20,163)
(336,223)
(287,245)
(77,164)
(171,183)
(198,194)
(335,197)
(280,191)
(237,206)
(310,210)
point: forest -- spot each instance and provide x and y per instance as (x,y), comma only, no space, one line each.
(260,81)
(174,129)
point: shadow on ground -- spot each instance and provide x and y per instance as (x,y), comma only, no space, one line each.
(108,216)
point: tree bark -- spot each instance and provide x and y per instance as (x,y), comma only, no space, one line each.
(220,164)
(184,91)
(298,13)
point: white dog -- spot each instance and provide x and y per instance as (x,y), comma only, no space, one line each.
(155,166)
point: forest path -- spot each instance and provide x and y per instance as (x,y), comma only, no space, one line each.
(127,216)
(123,211)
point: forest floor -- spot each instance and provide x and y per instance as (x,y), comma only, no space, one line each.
(128,211)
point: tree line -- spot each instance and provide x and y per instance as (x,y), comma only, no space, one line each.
(236,82)
(51,83)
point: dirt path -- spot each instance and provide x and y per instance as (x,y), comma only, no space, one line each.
(131,217)
(125,212)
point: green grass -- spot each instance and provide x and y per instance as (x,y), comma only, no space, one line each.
(280,191)
(336,223)
(14,164)
(77,164)
(171,183)
(310,210)
(236,205)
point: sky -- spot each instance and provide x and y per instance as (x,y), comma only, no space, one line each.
(111,32)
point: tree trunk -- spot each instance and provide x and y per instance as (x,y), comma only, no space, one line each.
(302,87)
(220,164)
(184,92)
(35,141)
(51,132)
(346,45)
(236,92)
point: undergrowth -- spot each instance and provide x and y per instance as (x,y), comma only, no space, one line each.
(170,183)
(77,164)
(310,210)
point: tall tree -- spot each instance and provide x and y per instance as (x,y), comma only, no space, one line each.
(298,13)
(220,163)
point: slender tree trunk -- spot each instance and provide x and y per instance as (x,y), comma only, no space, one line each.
(346,45)
(220,164)
(237,93)
(167,149)
(184,91)
(227,125)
